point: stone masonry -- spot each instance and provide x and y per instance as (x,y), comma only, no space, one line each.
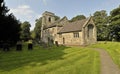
(81,32)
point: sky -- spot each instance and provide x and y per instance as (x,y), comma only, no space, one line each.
(30,10)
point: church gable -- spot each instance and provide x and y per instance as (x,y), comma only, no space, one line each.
(89,21)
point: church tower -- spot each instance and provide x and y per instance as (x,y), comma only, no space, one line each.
(48,18)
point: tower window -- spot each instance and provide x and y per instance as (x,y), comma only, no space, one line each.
(49,19)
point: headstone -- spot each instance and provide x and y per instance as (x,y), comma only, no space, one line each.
(30,45)
(5,46)
(19,46)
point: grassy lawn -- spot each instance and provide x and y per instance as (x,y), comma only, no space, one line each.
(54,60)
(113,48)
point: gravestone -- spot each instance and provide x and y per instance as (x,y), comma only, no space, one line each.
(30,45)
(19,46)
(6,46)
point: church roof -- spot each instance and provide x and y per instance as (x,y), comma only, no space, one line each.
(73,26)
(55,23)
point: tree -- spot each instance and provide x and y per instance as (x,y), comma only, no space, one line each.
(115,24)
(33,34)
(3,8)
(78,17)
(102,21)
(9,25)
(37,28)
(57,18)
(25,32)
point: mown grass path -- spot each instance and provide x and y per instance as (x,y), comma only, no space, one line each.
(107,64)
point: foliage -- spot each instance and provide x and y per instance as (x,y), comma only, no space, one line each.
(9,25)
(100,17)
(25,33)
(54,60)
(78,17)
(32,34)
(101,20)
(57,18)
(3,8)
(37,29)
(114,32)
(115,24)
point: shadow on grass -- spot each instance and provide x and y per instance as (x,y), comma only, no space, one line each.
(17,59)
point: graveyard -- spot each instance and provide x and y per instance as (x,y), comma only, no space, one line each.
(57,60)
(59,37)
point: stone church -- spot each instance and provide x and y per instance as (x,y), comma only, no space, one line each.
(81,32)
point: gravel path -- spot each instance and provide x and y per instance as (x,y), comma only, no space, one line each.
(107,64)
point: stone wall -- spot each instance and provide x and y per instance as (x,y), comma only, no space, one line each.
(50,33)
(68,39)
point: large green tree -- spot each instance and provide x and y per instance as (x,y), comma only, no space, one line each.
(9,25)
(78,17)
(37,29)
(25,32)
(115,24)
(102,21)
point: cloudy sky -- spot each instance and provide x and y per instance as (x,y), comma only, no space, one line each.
(30,10)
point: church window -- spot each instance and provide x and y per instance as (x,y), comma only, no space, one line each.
(76,35)
(90,31)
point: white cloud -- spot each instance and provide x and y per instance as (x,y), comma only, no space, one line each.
(24,7)
(45,2)
(25,13)
(23,10)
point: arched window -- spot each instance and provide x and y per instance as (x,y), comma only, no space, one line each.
(90,31)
